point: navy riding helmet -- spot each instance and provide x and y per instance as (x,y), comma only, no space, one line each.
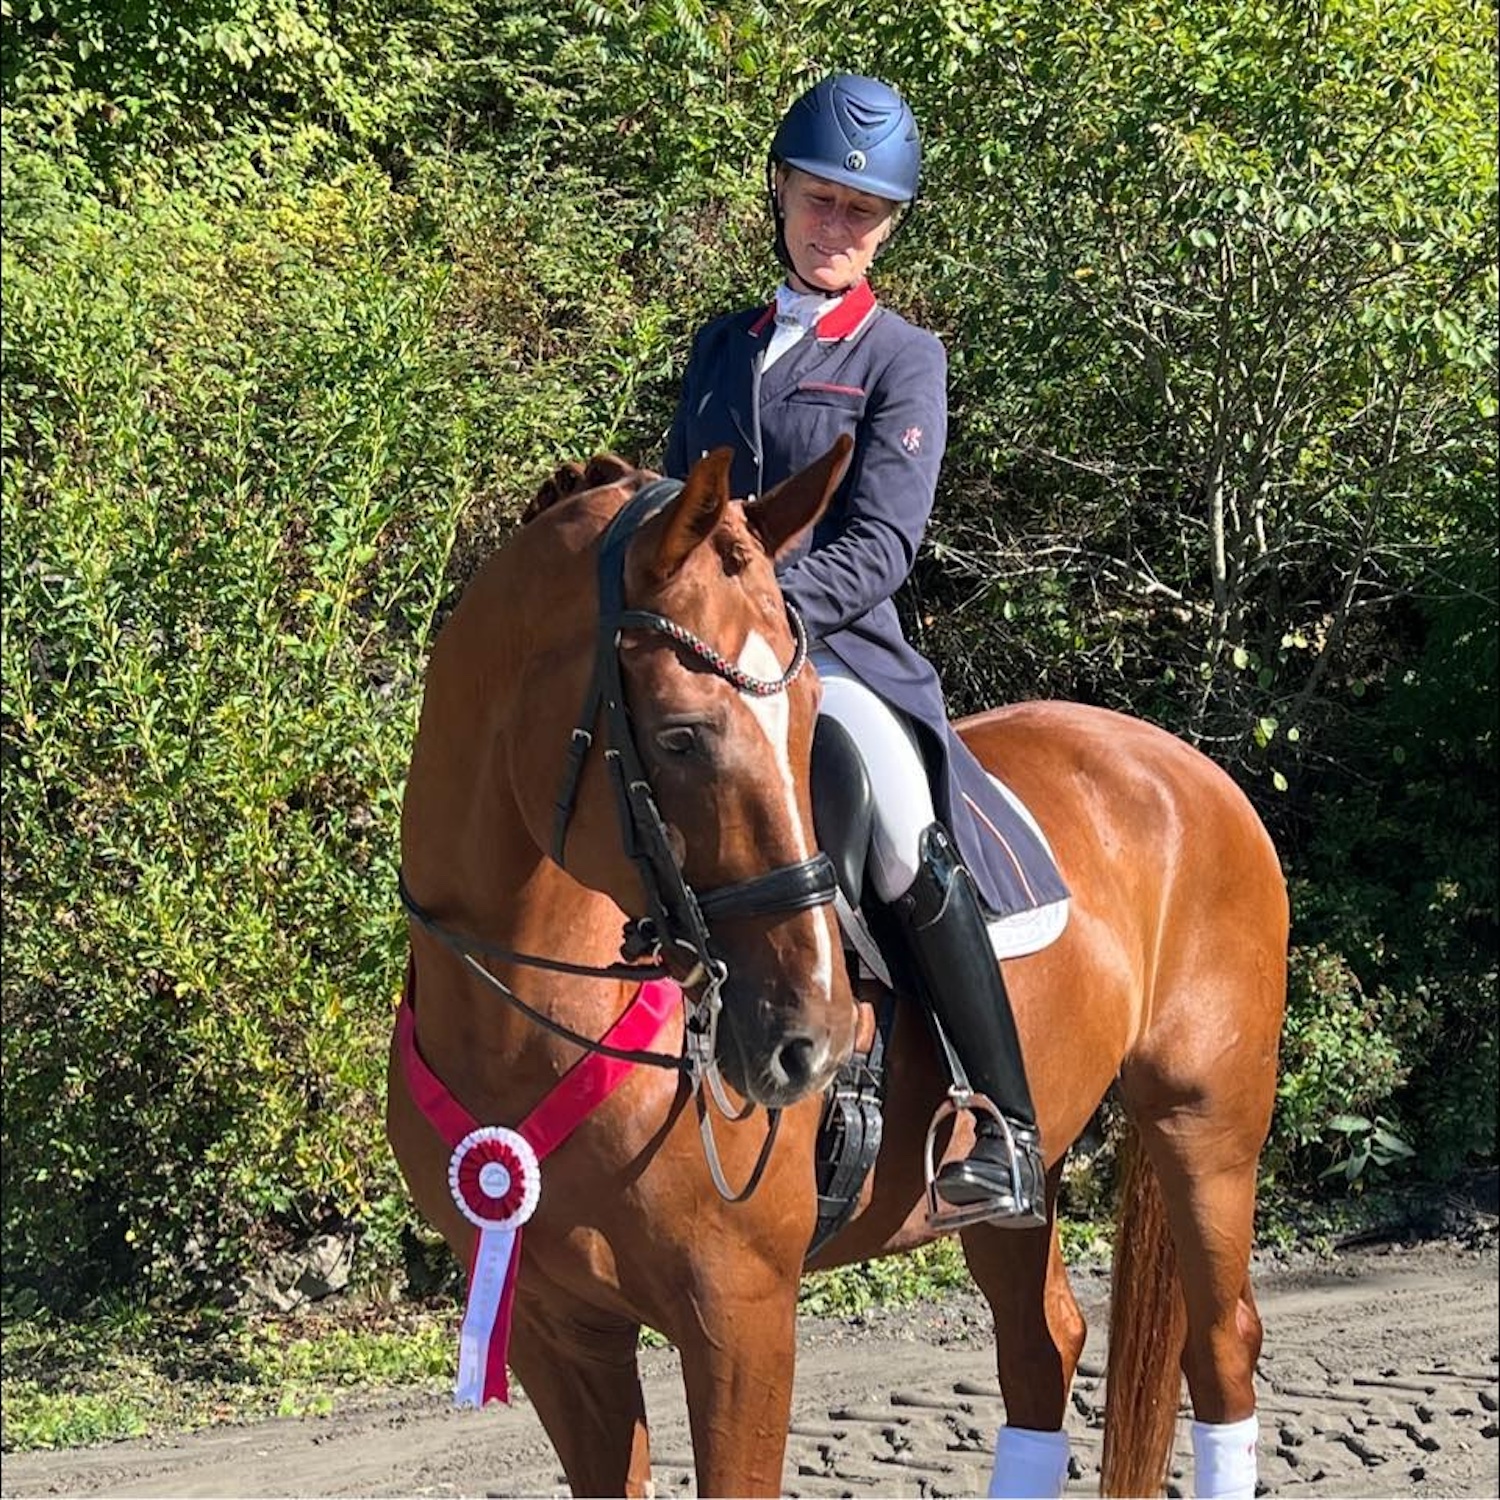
(852,130)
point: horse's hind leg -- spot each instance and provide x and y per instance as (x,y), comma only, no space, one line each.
(578,1366)
(1210,1203)
(1039,1337)
(1206,1154)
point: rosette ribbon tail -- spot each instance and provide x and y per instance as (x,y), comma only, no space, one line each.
(496,1180)
(482,1341)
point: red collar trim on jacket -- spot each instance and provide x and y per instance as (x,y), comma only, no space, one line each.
(845,319)
(849,316)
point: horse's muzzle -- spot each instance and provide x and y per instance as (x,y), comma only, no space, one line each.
(783,1069)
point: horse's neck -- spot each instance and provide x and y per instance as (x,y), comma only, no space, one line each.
(471,858)
(505,890)
(491,1054)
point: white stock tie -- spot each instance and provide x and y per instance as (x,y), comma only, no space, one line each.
(797,314)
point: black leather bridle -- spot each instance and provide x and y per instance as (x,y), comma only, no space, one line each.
(674,936)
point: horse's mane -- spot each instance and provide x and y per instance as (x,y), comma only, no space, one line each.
(572,478)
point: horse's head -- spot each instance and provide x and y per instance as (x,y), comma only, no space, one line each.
(721,720)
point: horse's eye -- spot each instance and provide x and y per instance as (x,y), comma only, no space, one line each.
(680,741)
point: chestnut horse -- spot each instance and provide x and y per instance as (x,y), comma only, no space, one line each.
(1167,984)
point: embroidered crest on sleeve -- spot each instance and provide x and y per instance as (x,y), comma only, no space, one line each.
(911,439)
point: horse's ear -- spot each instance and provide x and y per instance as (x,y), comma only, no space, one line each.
(781,515)
(691,518)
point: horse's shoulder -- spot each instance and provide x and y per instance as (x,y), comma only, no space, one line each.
(573,478)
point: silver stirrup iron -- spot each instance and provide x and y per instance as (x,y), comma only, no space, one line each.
(943,1216)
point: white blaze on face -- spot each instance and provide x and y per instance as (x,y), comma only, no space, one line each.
(774,715)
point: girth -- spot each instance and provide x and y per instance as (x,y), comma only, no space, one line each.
(851,1126)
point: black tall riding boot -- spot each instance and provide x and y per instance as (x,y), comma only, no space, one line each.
(956,972)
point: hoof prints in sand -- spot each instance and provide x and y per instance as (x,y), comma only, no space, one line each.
(1405,1431)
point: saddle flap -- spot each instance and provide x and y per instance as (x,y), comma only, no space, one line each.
(843,805)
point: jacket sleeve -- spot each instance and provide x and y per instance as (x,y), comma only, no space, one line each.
(893,479)
(676,463)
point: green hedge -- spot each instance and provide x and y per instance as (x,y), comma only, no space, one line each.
(227,512)
(265,412)
(301,301)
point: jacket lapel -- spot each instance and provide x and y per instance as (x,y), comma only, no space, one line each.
(741,399)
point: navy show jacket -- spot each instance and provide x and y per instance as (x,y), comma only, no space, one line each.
(865,371)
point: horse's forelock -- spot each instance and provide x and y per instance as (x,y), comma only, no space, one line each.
(735,548)
(725,590)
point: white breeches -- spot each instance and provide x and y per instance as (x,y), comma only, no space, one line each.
(898,778)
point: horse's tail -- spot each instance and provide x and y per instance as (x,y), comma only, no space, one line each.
(1147,1330)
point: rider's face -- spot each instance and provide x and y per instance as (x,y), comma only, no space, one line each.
(832,231)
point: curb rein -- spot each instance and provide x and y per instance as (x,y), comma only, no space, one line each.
(678,918)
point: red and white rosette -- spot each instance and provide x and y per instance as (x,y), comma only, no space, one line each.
(495,1180)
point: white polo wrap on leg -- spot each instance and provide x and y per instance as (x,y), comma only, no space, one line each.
(1224,1459)
(1029,1465)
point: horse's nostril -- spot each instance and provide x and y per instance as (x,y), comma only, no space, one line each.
(797,1061)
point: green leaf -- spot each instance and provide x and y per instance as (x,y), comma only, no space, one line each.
(1392,1143)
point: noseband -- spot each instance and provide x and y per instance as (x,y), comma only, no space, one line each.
(676,927)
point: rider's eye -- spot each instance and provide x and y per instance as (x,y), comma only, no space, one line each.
(680,741)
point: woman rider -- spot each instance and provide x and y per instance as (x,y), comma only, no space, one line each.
(778,385)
